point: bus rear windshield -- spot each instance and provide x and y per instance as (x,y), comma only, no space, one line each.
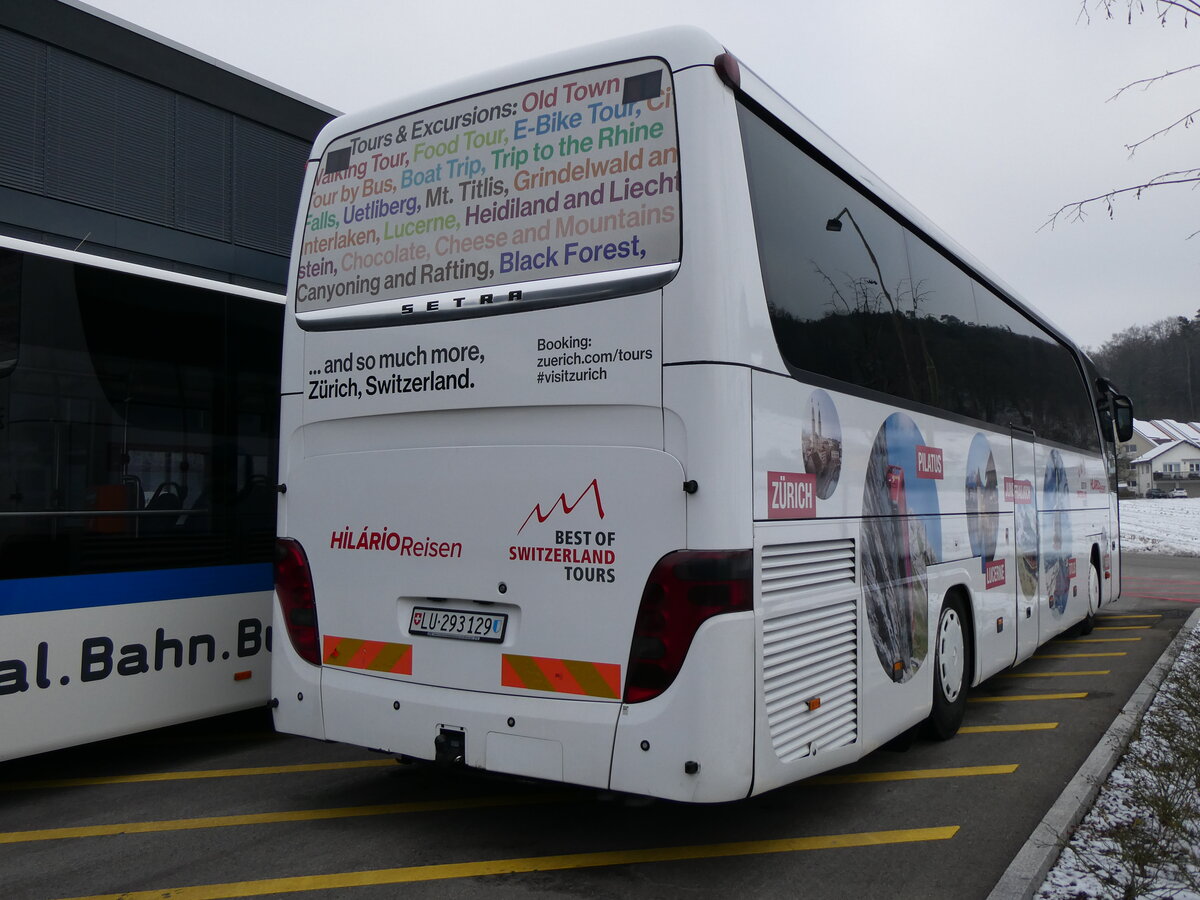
(576,174)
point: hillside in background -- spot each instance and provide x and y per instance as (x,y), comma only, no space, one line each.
(1158,366)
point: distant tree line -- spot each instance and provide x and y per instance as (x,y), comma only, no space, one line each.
(1158,366)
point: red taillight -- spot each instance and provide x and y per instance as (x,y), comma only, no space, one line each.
(684,589)
(294,587)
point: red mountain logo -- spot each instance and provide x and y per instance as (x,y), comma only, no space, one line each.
(567,508)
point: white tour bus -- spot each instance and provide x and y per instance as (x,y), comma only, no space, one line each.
(138,423)
(635,436)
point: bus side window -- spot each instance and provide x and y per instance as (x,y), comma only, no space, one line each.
(835,270)
(1035,374)
(856,295)
(945,322)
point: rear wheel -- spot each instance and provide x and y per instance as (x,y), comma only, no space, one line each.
(950,668)
(1093,593)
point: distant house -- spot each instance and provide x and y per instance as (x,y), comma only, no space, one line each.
(1146,436)
(1169,465)
(1150,435)
(1177,431)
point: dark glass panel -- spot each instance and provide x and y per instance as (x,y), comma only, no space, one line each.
(139,426)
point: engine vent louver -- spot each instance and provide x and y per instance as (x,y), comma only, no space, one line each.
(810,646)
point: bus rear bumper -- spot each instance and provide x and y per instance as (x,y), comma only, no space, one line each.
(535,737)
(695,743)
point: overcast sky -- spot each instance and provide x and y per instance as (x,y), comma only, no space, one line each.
(986,116)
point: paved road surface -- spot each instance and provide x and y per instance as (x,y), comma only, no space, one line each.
(228,804)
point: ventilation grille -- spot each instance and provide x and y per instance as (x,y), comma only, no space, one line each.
(810,651)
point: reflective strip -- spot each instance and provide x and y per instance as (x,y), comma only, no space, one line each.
(561,676)
(377,656)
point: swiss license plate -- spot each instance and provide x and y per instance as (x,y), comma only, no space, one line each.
(458,623)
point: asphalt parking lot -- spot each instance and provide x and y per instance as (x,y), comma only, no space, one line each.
(226,808)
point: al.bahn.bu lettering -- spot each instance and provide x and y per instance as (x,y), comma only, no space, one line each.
(100,657)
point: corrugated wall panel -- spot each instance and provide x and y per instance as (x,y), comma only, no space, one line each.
(22,111)
(268,173)
(78,131)
(202,169)
(81,124)
(144,165)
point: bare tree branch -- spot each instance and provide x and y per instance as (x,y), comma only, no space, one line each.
(1189,7)
(1077,212)
(1185,121)
(1163,9)
(1147,82)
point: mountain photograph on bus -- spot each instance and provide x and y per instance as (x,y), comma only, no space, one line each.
(901,537)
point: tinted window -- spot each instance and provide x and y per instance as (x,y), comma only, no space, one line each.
(854,295)
(835,270)
(1029,377)
(942,321)
(138,429)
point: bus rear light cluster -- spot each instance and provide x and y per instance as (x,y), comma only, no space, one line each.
(294,587)
(685,589)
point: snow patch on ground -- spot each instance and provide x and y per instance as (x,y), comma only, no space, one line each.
(1093,865)
(1170,527)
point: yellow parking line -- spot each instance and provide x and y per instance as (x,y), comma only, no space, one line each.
(1106,618)
(1013,698)
(1053,674)
(299,815)
(1079,655)
(1123,627)
(1113,640)
(197,774)
(990,729)
(409,874)
(911,775)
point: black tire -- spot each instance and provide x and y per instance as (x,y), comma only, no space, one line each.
(951,670)
(1093,595)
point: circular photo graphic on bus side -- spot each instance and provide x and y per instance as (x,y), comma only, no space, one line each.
(901,537)
(821,442)
(1056,538)
(983,499)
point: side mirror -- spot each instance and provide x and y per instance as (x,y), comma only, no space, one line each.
(1122,413)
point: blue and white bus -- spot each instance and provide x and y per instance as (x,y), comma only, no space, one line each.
(634,435)
(138,451)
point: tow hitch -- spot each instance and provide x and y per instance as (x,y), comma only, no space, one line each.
(450,747)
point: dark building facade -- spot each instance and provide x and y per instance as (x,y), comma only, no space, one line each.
(121,144)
